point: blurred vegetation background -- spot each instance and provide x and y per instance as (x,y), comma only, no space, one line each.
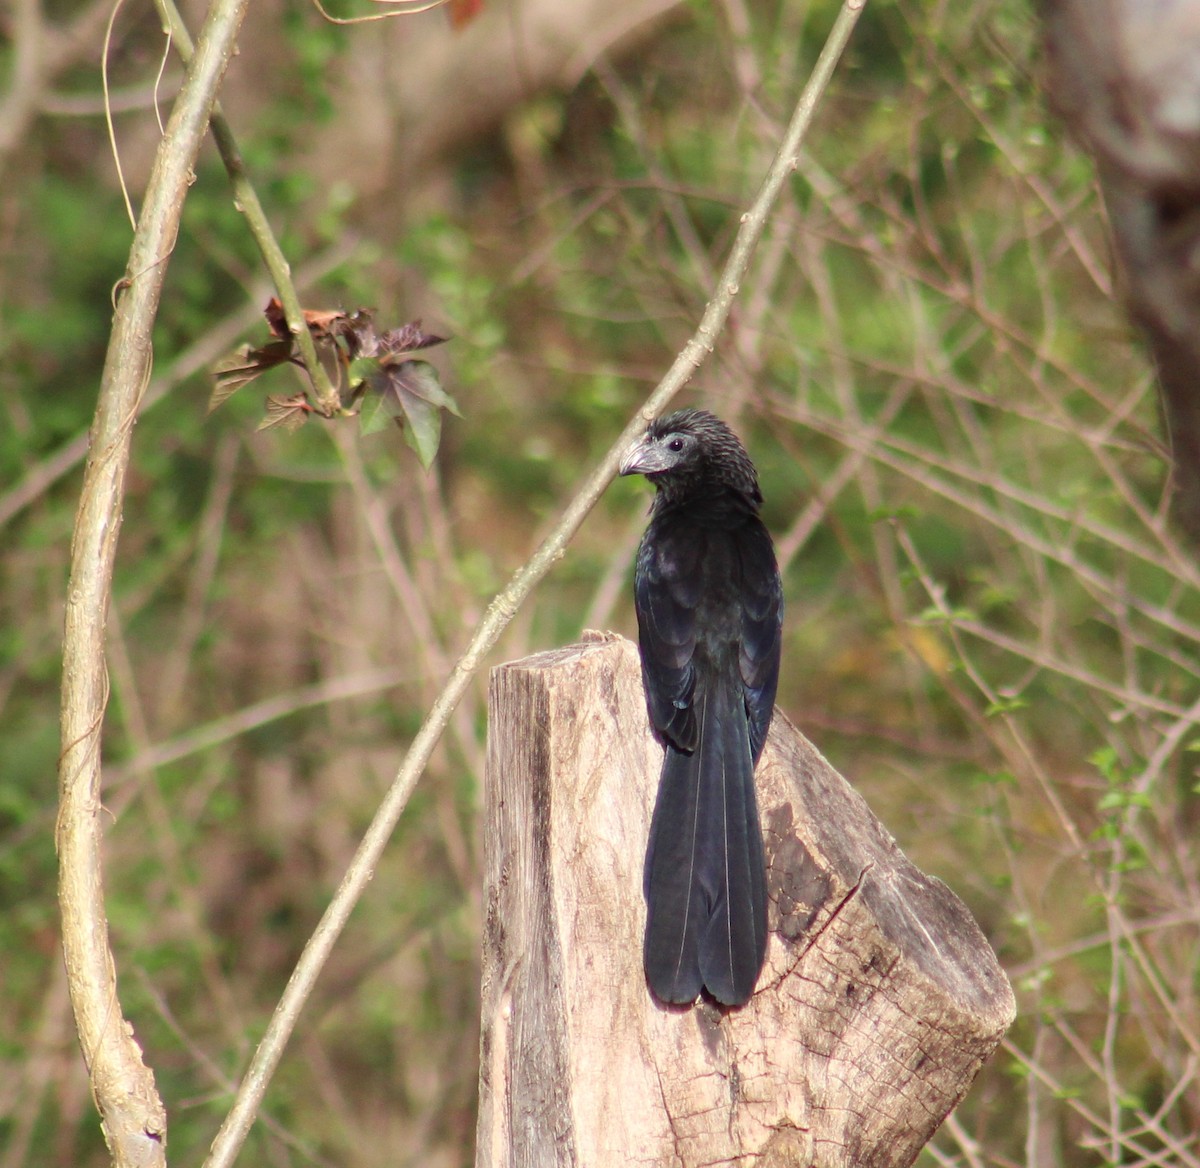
(991,629)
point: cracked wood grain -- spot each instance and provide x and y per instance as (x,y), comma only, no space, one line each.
(879,1002)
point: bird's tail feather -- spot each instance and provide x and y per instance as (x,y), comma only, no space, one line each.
(704,881)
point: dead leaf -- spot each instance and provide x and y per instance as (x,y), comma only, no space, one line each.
(462,12)
(244,367)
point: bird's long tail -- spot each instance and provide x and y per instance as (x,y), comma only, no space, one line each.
(704,881)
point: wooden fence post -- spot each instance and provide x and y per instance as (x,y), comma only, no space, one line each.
(879,1002)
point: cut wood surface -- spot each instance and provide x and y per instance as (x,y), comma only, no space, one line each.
(879,1002)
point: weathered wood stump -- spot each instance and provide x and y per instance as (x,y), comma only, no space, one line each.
(879,1002)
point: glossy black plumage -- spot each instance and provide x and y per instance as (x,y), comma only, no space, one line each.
(709,608)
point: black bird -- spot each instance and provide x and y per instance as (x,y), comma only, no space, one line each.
(709,609)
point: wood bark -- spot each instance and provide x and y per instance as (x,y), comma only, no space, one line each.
(1123,74)
(132,1114)
(879,1002)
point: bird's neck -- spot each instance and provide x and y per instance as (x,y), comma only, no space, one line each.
(712,504)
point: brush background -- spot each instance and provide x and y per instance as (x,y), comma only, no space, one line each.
(991,629)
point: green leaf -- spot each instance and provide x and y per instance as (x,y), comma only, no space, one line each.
(994,778)
(424,430)
(410,392)
(1120,798)
(1004,706)
(1104,759)
(903,511)
(377,413)
(937,616)
(361,369)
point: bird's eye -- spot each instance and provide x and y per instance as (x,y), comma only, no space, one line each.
(676,445)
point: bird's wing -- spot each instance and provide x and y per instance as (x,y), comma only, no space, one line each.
(762,615)
(667,591)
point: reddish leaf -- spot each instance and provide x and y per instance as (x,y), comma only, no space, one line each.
(405,379)
(276,320)
(357,330)
(462,12)
(322,322)
(363,340)
(408,338)
(288,412)
(244,367)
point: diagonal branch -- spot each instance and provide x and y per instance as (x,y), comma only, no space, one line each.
(502,609)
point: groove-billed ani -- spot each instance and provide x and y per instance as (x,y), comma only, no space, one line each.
(709,608)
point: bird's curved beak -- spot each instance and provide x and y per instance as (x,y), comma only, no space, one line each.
(643,457)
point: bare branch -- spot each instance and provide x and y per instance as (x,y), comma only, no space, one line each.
(131,1111)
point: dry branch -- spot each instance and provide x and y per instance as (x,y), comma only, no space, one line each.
(131,1112)
(879,1002)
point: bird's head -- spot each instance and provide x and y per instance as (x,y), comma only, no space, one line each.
(692,450)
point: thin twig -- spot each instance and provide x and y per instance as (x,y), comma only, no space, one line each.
(200,738)
(502,609)
(108,115)
(394,8)
(246,199)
